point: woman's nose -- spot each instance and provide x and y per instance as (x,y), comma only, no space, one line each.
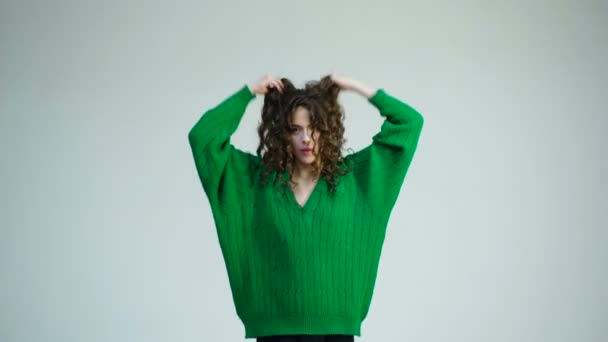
(306,137)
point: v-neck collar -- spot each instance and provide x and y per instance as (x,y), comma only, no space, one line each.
(312,198)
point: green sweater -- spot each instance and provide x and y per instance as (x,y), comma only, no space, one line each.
(311,269)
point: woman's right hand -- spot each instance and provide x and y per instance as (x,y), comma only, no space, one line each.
(263,85)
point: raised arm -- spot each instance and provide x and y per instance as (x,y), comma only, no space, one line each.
(216,159)
(226,173)
(380,168)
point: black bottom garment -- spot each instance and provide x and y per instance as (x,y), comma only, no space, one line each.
(307,338)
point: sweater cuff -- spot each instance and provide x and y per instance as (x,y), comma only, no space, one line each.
(247,92)
(378,95)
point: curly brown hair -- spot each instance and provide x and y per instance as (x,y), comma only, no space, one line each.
(320,98)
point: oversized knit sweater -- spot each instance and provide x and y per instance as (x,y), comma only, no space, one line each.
(307,269)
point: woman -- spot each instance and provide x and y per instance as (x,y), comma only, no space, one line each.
(301,227)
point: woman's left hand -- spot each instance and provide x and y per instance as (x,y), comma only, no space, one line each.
(351,84)
(344,82)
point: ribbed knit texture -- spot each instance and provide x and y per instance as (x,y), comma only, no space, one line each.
(311,269)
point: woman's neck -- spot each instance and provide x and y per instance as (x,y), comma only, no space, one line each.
(304,174)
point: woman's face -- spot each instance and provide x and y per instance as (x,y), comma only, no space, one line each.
(304,148)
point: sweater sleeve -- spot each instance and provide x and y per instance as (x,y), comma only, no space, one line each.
(224,171)
(380,168)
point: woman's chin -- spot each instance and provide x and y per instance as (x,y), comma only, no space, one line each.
(306,160)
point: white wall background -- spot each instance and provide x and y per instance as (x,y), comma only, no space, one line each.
(500,231)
